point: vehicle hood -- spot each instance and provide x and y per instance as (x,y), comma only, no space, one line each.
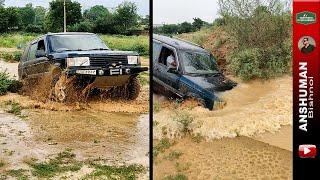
(92,53)
(213,82)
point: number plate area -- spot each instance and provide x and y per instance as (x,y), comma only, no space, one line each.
(89,72)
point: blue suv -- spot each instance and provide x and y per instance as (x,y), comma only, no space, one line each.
(187,71)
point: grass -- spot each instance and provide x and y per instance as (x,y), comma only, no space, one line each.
(14,108)
(18,174)
(16,40)
(185,120)
(197,138)
(2,163)
(127,43)
(115,172)
(173,155)
(161,146)
(156,107)
(178,176)
(198,37)
(144,78)
(63,162)
(5,83)
(11,56)
(119,42)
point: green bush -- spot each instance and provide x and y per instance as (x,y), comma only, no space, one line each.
(261,33)
(254,63)
(11,56)
(33,28)
(5,83)
(84,26)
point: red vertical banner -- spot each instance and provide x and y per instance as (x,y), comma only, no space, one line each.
(306,104)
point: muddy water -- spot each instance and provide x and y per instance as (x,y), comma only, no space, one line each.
(252,108)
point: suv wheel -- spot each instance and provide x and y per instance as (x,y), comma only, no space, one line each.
(133,89)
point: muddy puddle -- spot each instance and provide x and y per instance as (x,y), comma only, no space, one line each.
(251,109)
(112,138)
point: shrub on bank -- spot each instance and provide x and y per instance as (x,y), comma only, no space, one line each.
(5,83)
(254,63)
(11,56)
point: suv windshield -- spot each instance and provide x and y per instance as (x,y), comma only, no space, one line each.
(70,42)
(199,63)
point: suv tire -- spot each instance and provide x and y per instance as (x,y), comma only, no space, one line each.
(133,88)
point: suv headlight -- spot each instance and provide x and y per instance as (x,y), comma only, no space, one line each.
(133,60)
(78,61)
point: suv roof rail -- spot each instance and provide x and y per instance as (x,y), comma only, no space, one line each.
(189,42)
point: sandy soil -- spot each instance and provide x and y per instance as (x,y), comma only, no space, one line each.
(228,158)
(249,138)
(11,68)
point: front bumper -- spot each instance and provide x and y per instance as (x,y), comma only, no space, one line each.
(97,71)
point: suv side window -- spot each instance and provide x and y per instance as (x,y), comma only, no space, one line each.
(32,51)
(156,50)
(41,45)
(164,54)
(24,56)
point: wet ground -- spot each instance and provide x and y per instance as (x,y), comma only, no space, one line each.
(249,138)
(113,133)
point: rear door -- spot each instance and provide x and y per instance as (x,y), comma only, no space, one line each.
(36,66)
(22,65)
(31,60)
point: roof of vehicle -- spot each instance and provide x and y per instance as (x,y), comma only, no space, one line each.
(70,33)
(178,43)
(61,33)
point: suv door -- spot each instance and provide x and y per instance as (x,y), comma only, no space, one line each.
(22,65)
(161,70)
(37,65)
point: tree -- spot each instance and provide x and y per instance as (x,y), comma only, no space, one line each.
(198,23)
(95,12)
(13,17)
(40,13)
(3,20)
(186,27)
(126,17)
(54,18)
(26,16)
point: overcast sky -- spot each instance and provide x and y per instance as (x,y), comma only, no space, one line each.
(143,5)
(177,11)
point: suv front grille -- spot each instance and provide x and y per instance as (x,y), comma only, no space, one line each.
(106,61)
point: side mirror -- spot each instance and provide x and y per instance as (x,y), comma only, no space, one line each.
(40,53)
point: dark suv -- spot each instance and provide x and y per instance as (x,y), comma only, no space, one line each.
(85,58)
(187,70)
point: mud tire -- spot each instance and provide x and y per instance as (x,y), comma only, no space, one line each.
(133,88)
